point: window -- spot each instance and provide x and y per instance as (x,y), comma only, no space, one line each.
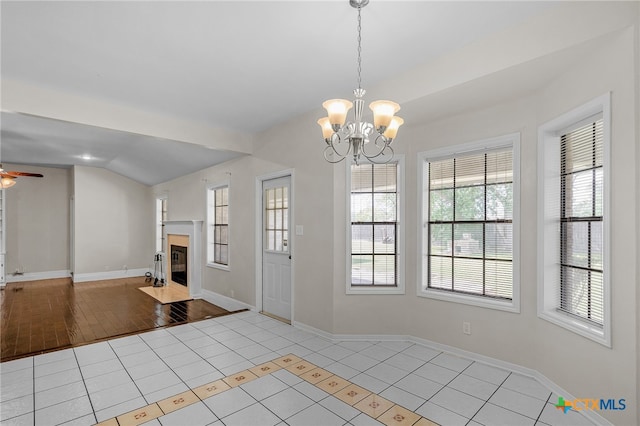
(160,218)
(573,222)
(581,222)
(276,202)
(218,226)
(469,221)
(375,229)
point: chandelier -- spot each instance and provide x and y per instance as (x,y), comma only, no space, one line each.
(358,137)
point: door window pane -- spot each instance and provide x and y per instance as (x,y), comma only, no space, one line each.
(276,219)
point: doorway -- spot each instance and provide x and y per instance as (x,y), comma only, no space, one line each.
(275,287)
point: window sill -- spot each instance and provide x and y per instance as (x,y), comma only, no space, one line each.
(219,266)
(374,290)
(583,328)
(482,302)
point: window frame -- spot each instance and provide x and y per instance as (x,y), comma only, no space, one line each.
(210,221)
(471,148)
(399,288)
(163,201)
(549,135)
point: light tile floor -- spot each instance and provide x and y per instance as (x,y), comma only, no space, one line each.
(101,381)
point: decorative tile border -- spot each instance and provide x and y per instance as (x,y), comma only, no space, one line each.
(359,398)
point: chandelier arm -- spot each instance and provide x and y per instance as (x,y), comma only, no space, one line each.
(331,151)
(337,140)
(386,158)
(373,154)
(328,151)
(380,147)
(390,156)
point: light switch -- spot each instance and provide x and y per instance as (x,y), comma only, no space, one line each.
(299,230)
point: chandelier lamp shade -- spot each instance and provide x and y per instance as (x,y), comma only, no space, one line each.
(358,137)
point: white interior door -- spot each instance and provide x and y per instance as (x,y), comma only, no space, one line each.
(276,254)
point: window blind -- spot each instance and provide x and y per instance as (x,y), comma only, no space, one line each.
(470,229)
(581,222)
(374,224)
(161,218)
(218,226)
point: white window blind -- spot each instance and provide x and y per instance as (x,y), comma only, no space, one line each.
(161,217)
(581,222)
(218,226)
(574,158)
(469,212)
(374,225)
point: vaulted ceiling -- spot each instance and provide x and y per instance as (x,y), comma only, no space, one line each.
(233,67)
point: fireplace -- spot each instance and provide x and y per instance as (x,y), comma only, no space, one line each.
(183,260)
(179,272)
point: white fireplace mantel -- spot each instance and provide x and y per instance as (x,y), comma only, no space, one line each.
(193,229)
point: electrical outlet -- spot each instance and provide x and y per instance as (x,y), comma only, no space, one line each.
(466,327)
(233,293)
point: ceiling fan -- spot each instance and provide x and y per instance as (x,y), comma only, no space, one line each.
(8,179)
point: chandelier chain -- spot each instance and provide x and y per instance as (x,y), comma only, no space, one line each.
(359,49)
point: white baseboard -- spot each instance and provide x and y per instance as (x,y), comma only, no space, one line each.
(225,302)
(318,332)
(32,276)
(592,416)
(109,275)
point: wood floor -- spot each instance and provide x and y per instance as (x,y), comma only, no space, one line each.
(42,316)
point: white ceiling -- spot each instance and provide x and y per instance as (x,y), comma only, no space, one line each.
(236,65)
(36,140)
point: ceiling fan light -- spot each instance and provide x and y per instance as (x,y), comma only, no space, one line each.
(337,110)
(7,182)
(383,112)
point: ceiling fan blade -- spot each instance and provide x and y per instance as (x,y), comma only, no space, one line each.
(16,174)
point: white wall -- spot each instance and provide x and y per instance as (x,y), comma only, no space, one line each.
(312,253)
(610,69)
(637,91)
(38,221)
(113,222)
(512,98)
(579,365)
(186,200)
(637,169)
